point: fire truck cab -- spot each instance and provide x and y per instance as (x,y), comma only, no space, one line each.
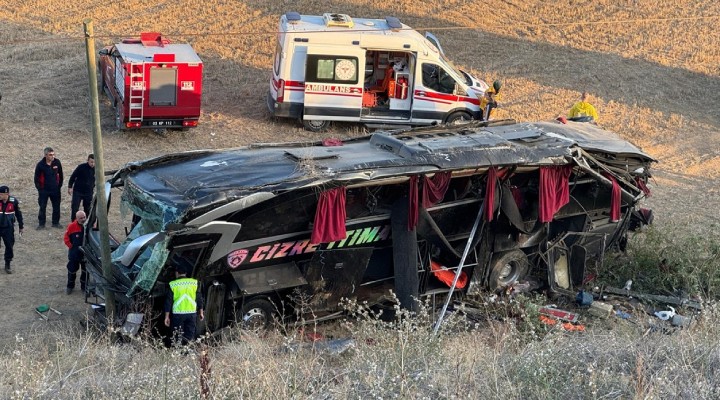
(152,83)
(376,71)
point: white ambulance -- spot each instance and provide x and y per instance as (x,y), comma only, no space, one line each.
(379,72)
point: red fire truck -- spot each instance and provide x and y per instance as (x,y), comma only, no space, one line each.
(152,83)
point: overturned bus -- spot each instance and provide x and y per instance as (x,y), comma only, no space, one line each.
(277,229)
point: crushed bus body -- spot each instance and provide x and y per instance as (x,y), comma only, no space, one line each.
(266,224)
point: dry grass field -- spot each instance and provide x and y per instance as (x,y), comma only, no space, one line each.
(652,66)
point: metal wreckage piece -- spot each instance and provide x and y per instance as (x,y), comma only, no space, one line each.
(243,218)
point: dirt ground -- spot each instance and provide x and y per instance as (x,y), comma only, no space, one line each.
(653,70)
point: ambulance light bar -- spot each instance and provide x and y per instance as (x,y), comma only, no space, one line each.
(292,17)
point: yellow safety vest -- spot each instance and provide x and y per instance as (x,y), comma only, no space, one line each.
(583,109)
(184,292)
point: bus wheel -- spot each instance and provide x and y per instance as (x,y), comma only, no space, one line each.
(507,268)
(316,125)
(256,314)
(458,117)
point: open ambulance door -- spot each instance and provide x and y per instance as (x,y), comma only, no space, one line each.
(334,78)
(435,41)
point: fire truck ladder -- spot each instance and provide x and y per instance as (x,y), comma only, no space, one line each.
(137,92)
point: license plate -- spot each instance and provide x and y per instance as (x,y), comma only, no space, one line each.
(162,123)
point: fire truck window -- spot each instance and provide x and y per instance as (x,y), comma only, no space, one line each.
(163,86)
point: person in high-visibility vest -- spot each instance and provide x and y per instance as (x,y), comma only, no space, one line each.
(185,301)
(490,99)
(583,111)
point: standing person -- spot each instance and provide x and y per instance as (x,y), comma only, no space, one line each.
(489,101)
(583,111)
(184,300)
(48,181)
(81,186)
(9,212)
(73,240)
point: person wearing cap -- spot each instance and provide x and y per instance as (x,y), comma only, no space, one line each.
(9,212)
(489,101)
(48,181)
(73,240)
(185,301)
(583,111)
(81,186)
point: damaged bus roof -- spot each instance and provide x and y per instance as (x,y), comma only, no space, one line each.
(191,180)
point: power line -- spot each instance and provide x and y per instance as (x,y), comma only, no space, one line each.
(433,28)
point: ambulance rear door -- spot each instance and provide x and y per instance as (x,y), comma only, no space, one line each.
(435,41)
(334,78)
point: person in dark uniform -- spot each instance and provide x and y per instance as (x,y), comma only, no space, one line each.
(9,212)
(185,301)
(81,186)
(73,240)
(48,181)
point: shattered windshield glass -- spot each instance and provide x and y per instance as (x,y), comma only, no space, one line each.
(148,216)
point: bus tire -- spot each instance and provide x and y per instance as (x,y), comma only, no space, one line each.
(256,314)
(507,268)
(316,125)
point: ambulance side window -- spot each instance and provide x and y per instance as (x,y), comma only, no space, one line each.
(331,69)
(436,78)
(278,56)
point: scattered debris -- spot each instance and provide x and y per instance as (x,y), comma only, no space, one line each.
(628,284)
(665,315)
(132,324)
(678,301)
(583,298)
(42,311)
(559,314)
(600,309)
(332,346)
(680,320)
(622,314)
(43,316)
(566,326)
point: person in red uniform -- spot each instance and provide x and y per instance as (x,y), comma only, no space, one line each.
(9,212)
(73,240)
(48,181)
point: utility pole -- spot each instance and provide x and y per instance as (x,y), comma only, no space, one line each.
(100,195)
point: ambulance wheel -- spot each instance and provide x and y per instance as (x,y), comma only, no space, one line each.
(256,314)
(458,117)
(316,125)
(507,268)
